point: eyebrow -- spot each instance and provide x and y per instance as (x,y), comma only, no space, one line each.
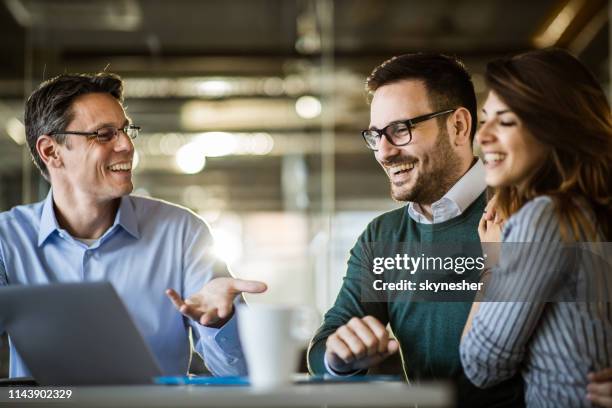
(108,124)
(499,112)
(389,124)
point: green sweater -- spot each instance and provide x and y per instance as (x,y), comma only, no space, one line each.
(428,332)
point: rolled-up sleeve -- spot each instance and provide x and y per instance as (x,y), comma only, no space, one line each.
(529,272)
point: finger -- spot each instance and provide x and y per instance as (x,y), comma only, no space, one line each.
(366,336)
(377,358)
(379,330)
(354,343)
(603,375)
(602,388)
(600,400)
(191,312)
(225,310)
(498,219)
(392,347)
(209,318)
(176,299)
(482,226)
(336,347)
(490,213)
(248,286)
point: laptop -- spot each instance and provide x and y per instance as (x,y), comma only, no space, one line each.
(76,334)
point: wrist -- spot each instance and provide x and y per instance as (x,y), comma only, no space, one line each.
(219,323)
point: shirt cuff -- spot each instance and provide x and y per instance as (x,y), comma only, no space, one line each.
(226,336)
(335,373)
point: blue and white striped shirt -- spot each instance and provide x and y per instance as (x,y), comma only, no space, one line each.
(553,344)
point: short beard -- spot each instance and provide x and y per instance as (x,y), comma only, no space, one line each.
(432,185)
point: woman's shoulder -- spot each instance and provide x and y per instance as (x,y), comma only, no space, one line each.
(535,218)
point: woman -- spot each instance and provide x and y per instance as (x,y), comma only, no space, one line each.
(546,137)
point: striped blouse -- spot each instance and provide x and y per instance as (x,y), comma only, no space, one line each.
(554,344)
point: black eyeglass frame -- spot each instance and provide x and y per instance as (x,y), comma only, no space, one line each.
(408,122)
(124,129)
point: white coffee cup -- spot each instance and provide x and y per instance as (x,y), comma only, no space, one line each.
(272,337)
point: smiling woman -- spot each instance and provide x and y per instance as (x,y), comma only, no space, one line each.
(547,141)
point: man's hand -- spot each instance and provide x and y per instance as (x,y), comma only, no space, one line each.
(599,390)
(361,343)
(213,305)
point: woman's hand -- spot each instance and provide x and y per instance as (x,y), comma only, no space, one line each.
(491,223)
(599,390)
(489,231)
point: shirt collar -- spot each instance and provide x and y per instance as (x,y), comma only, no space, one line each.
(48,222)
(456,200)
(126,218)
(469,187)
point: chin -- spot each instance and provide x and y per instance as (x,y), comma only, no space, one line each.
(496,181)
(124,190)
(401,194)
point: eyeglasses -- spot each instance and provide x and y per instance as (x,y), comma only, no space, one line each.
(397,133)
(105,134)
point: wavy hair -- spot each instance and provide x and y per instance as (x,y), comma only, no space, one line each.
(563,106)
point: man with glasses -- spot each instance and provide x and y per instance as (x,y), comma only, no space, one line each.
(422,124)
(90,229)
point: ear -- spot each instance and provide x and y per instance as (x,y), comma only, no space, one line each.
(459,125)
(48,150)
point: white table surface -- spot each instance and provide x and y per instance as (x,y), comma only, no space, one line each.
(393,394)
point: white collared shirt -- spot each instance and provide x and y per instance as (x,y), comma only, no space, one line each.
(456,200)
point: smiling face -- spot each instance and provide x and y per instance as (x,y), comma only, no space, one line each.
(511,153)
(424,170)
(100,171)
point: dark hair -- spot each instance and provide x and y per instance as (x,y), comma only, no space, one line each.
(49,108)
(562,106)
(446,79)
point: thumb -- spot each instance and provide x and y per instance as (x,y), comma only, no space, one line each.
(392,347)
(248,286)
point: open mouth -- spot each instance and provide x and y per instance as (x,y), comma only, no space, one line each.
(120,167)
(400,169)
(493,159)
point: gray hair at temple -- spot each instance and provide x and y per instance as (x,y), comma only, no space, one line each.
(49,108)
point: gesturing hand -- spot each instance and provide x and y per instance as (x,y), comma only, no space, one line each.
(213,305)
(359,344)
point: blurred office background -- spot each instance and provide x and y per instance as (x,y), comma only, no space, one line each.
(251,109)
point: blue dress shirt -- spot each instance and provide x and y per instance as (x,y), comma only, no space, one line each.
(151,246)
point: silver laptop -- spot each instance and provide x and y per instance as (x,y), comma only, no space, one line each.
(75,334)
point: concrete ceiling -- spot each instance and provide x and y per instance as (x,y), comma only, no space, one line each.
(270,52)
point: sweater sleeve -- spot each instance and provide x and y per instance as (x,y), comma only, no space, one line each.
(348,304)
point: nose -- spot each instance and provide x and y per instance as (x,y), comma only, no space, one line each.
(123,142)
(485,134)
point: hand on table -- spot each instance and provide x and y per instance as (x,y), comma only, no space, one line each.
(361,343)
(213,305)
(599,390)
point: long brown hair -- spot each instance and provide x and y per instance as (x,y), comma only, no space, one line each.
(562,105)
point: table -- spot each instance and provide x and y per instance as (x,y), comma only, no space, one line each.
(393,394)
